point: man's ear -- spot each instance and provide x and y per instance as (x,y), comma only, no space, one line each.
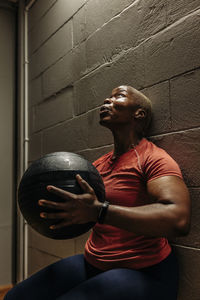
(139,114)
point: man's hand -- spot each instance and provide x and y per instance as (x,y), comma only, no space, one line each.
(75,209)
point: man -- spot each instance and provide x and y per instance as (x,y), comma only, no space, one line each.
(127,255)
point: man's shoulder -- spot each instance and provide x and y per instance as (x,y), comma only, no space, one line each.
(157,162)
(102,158)
(152,151)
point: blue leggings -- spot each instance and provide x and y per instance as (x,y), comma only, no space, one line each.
(73,278)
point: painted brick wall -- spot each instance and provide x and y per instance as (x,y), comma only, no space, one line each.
(78,51)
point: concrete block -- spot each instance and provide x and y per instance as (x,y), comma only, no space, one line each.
(159,96)
(69,136)
(54,110)
(58,248)
(153,17)
(91,91)
(38,260)
(125,31)
(192,239)
(127,69)
(35,147)
(185,104)
(92,154)
(100,12)
(81,93)
(79,25)
(58,76)
(53,139)
(180,8)
(64,72)
(184,147)
(189,263)
(53,49)
(59,14)
(97,135)
(79,62)
(35,91)
(37,11)
(173,51)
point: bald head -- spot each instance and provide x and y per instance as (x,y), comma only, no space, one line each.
(141,102)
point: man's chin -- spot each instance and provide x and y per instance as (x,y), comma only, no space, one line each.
(105,123)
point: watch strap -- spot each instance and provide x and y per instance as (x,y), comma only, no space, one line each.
(102,212)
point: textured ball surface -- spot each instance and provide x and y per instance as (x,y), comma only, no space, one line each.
(58,169)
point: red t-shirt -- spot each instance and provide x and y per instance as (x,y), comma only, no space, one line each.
(125,182)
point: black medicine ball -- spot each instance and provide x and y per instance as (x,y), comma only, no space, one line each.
(58,169)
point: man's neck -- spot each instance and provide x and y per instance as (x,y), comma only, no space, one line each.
(123,142)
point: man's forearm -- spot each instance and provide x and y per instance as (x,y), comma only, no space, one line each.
(150,220)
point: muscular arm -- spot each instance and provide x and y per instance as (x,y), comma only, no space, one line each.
(168,215)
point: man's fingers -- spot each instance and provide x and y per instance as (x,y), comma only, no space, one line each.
(61,225)
(52,204)
(84,185)
(60,192)
(58,215)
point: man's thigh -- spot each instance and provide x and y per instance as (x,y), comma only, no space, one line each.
(118,284)
(51,281)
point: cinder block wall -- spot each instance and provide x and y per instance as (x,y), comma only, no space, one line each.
(78,51)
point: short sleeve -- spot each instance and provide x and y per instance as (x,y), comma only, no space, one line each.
(160,164)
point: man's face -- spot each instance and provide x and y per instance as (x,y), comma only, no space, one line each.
(118,109)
